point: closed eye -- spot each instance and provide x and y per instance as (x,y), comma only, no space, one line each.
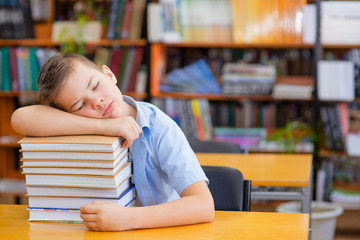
(82,105)
(94,88)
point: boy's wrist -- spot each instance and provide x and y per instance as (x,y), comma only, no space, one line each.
(98,127)
(135,218)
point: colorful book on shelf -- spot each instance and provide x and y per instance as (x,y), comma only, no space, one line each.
(137,19)
(196,77)
(198,118)
(27,69)
(141,79)
(122,67)
(135,69)
(13,70)
(120,18)
(113,16)
(126,21)
(299,87)
(128,68)
(115,60)
(5,69)
(102,56)
(35,68)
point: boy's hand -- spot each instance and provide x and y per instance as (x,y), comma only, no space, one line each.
(106,216)
(125,127)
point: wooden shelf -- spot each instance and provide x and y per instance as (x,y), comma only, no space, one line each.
(17,93)
(340,46)
(222,97)
(329,153)
(49,43)
(238,45)
(9,141)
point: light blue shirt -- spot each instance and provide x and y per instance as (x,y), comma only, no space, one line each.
(163,162)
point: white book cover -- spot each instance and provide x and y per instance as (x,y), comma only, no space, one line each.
(74,155)
(336,80)
(75,170)
(72,163)
(76,202)
(78,191)
(57,214)
(76,143)
(91,181)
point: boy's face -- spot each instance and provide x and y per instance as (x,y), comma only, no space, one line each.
(90,93)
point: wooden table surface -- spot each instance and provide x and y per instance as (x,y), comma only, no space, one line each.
(291,170)
(227,225)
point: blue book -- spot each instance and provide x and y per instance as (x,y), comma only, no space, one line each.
(5,69)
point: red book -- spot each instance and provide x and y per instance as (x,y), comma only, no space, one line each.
(13,70)
(115,61)
(125,29)
(135,69)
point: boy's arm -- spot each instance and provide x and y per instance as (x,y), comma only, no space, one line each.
(41,120)
(195,206)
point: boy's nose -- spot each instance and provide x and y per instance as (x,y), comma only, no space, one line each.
(99,103)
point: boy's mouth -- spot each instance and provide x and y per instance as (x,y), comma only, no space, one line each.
(108,109)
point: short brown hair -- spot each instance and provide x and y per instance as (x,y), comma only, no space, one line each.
(54,72)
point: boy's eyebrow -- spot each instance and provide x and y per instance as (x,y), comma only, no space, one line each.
(89,83)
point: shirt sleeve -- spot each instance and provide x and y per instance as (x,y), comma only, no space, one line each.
(176,158)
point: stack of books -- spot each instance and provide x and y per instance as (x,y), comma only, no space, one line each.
(63,173)
(295,87)
(247,79)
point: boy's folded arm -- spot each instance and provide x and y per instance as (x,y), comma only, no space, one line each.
(41,120)
(196,205)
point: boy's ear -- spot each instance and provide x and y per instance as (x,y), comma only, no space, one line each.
(106,70)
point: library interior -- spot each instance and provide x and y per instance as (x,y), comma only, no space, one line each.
(265,90)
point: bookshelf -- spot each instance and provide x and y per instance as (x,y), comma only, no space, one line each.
(159,68)
(161,50)
(10,100)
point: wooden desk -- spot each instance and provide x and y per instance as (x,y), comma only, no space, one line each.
(227,225)
(279,170)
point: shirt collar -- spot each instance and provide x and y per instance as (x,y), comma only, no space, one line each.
(140,116)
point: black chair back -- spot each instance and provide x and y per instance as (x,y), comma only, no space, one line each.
(228,188)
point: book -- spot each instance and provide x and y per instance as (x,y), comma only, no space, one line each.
(106,156)
(5,69)
(94,143)
(111,170)
(91,180)
(110,32)
(76,202)
(137,19)
(13,70)
(58,191)
(73,163)
(126,21)
(336,80)
(39,214)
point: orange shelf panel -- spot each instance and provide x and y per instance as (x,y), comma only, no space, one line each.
(237,45)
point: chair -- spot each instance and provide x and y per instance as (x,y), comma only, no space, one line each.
(228,188)
(214,146)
